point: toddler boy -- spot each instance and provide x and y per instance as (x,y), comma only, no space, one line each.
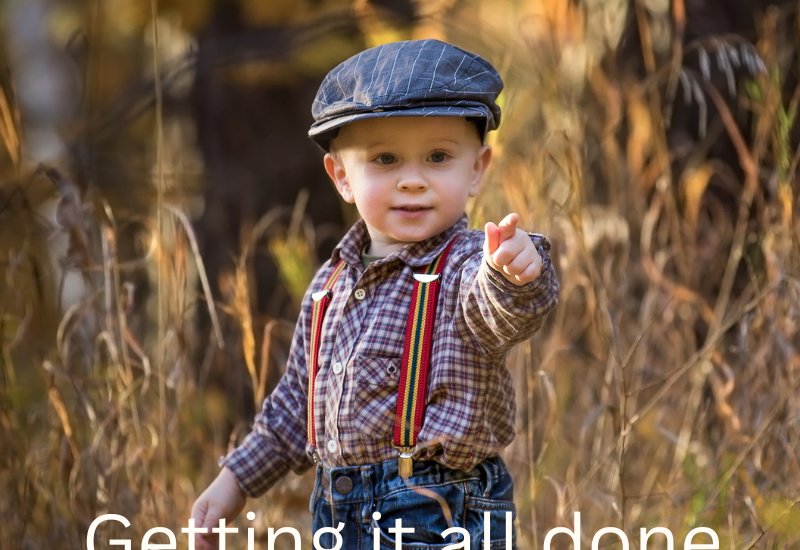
(396,386)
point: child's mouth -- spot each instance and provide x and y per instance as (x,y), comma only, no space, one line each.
(411,211)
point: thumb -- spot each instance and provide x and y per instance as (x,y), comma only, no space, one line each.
(199,511)
(508,227)
(200,515)
(492,240)
(205,515)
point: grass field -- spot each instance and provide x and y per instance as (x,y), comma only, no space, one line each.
(663,392)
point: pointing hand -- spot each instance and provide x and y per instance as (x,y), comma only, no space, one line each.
(511,252)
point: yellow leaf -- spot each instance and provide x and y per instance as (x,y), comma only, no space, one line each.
(693,186)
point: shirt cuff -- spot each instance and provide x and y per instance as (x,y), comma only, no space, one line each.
(500,282)
(253,466)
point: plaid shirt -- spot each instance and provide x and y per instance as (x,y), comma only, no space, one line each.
(471,402)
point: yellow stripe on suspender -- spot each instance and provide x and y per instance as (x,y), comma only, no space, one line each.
(412,393)
(410,416)
(413,359)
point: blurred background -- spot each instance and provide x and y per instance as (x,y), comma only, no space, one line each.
(162,211)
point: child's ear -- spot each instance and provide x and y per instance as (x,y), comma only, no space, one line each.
(482,160)
(335,169)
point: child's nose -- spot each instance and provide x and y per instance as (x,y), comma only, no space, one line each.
(412,180)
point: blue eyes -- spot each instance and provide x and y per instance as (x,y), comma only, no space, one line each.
(386,159)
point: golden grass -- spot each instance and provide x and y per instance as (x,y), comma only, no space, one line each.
(664,390)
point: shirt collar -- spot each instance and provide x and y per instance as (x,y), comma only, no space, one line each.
(416,254)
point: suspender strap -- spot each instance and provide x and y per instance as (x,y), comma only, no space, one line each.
(321,301)
(413,387)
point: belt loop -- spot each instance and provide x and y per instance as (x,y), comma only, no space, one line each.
(487,471)
(369,494)
(327,481)
(315,493)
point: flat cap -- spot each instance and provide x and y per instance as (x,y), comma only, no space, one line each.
(410,78)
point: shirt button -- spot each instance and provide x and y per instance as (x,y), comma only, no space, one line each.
(332,446)
(360,294)
(337,368)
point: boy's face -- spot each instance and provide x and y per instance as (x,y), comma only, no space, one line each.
(409,177)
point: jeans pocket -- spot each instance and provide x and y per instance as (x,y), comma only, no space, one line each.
(492,519)
(428,510)
(490,509)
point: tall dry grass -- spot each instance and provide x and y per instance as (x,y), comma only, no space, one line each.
(662,392)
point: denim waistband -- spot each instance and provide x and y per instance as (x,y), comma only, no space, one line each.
(379,480)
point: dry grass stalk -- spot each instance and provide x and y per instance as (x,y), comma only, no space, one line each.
(663,391)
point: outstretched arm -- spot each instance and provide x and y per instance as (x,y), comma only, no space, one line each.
(508,290)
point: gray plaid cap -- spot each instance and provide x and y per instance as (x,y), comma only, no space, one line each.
(411,78)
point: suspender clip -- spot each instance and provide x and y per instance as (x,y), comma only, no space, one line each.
(405,464)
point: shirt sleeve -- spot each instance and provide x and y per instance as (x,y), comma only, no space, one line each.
(277,442)
(494,313)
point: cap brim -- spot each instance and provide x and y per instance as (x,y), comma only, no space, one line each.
(324,131)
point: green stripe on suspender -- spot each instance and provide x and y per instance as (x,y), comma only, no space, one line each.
(413,388)
(408,398)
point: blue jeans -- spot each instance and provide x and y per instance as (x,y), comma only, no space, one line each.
(432,500)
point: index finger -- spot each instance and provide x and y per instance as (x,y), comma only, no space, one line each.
(508,227)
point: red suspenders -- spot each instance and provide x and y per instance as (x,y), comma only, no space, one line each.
(413,389)
(321,301)
(413,386)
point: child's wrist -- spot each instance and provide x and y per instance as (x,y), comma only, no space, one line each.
(230,479)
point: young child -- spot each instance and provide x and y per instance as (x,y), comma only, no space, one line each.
(396,386)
